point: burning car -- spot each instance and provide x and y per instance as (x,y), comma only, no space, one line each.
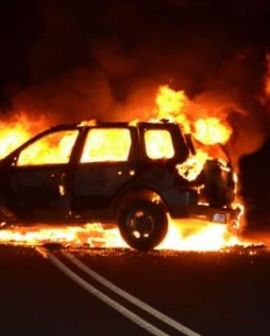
(132,174)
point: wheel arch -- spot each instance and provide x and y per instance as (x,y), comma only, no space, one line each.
(135,194)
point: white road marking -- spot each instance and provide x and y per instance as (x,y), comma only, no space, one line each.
(106,299)
(127,296)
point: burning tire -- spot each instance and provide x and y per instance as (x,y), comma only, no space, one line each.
(143,225)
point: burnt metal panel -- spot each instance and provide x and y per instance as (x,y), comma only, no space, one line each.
(88,191)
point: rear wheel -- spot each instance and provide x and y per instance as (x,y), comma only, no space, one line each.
(143,225)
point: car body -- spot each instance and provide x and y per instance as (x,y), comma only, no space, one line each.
(108,172)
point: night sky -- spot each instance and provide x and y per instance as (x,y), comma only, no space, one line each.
(71,60)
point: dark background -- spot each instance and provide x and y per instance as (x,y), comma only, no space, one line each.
(70,60)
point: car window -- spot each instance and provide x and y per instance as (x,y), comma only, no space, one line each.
(158,144)
(54,148)
(107,144)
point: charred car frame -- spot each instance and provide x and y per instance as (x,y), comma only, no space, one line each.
(136,189)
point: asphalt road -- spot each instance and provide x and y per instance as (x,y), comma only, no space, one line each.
(212,294)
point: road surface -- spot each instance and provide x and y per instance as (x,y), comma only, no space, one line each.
(48,292)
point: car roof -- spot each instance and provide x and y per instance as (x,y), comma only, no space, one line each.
(109,124)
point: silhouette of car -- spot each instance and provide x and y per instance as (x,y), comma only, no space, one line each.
(134,175)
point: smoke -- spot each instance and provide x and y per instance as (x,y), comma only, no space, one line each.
(106,60)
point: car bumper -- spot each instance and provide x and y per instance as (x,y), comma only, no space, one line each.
(208,213)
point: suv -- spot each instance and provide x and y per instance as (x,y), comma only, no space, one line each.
(114,172)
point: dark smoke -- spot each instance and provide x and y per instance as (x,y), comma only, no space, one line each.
(75,60)
(105,59)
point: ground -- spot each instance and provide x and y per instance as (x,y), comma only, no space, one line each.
(211,293)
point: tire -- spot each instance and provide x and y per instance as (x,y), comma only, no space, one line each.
(143,225)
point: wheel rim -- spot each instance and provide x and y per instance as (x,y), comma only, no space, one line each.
(140,224)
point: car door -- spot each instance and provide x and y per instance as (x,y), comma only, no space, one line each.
(106,164)
(37,182)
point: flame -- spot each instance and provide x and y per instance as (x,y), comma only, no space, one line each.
(170,102)
(211,131)
(171,105)
(90,122)
(188,235)
(174,106)
(193,166)
(267,77)
(92,235)
(107,145)
(55,148)
(14,133)
(159,144)
(196,235)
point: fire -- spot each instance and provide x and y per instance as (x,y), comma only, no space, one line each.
(193,235)
(188,235)
(96,151)
(170,102)
(267,77)
(170,105)
(14,135)
(53,149)
(173,105)
(92,235)
(159,144)
(211,131)
(15,132)
(192,167)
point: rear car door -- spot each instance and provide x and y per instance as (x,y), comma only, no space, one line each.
(106,164)
(37,183)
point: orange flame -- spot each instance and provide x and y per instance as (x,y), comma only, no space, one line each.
(171,105)
(267,77)
(107,145)
(196,235)
(17,131)
(159,144)
(211,131)
(188,235)
(192,167)
(53,149)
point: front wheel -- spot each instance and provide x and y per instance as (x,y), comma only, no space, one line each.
(143,225)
